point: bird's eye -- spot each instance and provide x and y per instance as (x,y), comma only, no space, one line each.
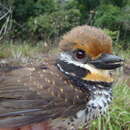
(80,54)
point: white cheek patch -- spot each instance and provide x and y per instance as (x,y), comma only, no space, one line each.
(68,58)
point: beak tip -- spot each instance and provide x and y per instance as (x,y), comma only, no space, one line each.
(108,61)
(121,59)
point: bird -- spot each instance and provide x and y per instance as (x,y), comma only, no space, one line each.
(67,90)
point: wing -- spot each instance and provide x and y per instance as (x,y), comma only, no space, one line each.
(30,94)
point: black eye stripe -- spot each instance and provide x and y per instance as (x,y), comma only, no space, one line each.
(73,69)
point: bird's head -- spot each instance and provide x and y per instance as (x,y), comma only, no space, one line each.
(86,57)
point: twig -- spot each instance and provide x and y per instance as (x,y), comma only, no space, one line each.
(4,7)
(7,16)
(4,16)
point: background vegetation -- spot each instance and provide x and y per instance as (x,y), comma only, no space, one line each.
(47,20)
(31,27)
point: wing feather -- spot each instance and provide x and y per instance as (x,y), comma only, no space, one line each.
(32,94)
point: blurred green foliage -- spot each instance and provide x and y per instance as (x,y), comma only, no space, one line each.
(112,34)
(107,16)
(54,24)
(49,19)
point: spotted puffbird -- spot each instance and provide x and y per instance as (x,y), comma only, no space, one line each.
(67,90)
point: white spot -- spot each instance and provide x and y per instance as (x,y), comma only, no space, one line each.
(41,75)
(18,81)
(53,82)
(43,70)
(81,113)
(40,86)
(31,69)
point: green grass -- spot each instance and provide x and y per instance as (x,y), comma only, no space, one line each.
(118,116)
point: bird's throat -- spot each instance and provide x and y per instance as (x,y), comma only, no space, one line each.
(96,106)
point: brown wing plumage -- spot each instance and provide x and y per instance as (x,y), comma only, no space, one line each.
(29,94)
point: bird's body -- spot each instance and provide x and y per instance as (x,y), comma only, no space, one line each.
(34,88)
(66,90)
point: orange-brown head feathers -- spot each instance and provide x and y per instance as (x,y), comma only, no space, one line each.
(92,40)
(88,49)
